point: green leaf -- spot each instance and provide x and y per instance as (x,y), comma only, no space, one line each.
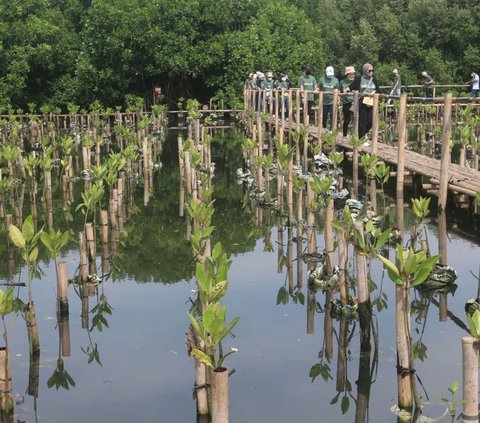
(392,270)
(202,357)
(454,387)
(382,239)
(32,258)
(17,237)
(28,228)
(424,270)
(345,404)
(410,263)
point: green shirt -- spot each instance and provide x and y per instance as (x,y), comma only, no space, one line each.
(308,83)
(427,81)
(328,84)
(397,82)
(345,83)
(366,85)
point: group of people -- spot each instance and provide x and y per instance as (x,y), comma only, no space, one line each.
(365,84)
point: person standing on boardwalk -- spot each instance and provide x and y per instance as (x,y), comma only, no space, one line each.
(474,82)
(428,82)
(366,84)
(307,84)
(283,85)
(328,84)
(347,99)
(396,86)
(267,85)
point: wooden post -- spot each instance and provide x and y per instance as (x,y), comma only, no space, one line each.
(290,190)
(319,120)
(90,236)
(298,98)
(219,395)
(363,294)
(334,116)
(305,108)
(83,256)
(64,330)
(342,264)
(375,124)
(445,158)
(113,213)
(405,377)
(62,289)
(355,107)
(6,397)
(402,139)
(470,379)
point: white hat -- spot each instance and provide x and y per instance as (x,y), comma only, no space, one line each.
(269,75)
(330,71)
(424,73)
(349,69)
(395,71)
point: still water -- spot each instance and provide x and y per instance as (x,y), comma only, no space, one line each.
(145,374)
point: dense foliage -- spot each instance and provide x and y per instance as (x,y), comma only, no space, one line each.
(56,52)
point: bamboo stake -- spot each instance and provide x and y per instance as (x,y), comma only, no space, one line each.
(402,139)
(470,379)
(375,124)
(83,257)
(90,236)
(445,158)
(62,289)
(104,225)
(219,395)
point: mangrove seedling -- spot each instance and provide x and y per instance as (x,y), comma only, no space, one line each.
(212,276)
(91,197)
(451,402)
(412,270)
(60,377)
(26,240)
(55,241)
(212,328)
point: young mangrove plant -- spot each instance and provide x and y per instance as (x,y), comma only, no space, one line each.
(212,329)
(451,402)
(412,270)
(26,241)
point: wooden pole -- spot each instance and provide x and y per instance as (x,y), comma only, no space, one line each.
(334,116)
(83,256)
(104,224)
(62,289)
(6,397)
(90,236)
(402,139)
(470,379)
(445,158)
(219,395)
(319,119)
(375,125)
(361,259)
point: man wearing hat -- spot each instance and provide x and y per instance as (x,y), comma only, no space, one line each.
(347,100)
(396,86)
(267,85)
(308,84)
(428,82)
(328,84)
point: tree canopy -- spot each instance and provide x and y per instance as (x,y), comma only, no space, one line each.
(57,52)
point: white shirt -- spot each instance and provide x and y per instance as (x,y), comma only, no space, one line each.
(475,81)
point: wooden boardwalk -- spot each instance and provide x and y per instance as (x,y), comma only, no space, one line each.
(461,179)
